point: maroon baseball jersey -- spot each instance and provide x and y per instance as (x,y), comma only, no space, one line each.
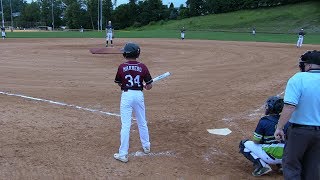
(131,75)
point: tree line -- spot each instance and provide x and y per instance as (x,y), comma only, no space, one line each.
(85,13)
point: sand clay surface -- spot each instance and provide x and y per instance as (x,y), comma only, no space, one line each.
(67,133)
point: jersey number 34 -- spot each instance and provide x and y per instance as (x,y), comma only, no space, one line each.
(132,81)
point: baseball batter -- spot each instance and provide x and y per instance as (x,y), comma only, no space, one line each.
(130,77)
(109,33)
(300,38)
(264,149)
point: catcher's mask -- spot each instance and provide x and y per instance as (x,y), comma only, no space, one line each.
(310,57)
(131,50)
(274,105)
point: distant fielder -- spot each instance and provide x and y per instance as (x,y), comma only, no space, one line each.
(182,33)
(109,35)
(300,38)
(254,31)
(3,33)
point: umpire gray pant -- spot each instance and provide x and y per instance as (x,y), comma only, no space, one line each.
(301,158)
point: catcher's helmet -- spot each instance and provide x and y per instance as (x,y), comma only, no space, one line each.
(131,50)
(310,57)
(274,105)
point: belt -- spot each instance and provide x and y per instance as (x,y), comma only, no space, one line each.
(317,128)
(126,90)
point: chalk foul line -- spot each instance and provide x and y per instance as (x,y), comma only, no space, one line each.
(60,104)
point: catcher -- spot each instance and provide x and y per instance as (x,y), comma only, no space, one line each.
(264,149)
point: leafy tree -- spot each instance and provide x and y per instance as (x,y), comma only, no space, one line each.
(183,12)
(49,8)
(17,7)
(107,8)
(133,10)
(173,12)
(31,13)
(196,7)
(92,10)
(122,14)
(73,15)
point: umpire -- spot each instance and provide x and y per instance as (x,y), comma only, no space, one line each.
(301,159)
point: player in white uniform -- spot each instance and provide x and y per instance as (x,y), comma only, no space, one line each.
(254,31)
(182,33)
(109,35)
(3,33)
(300,38)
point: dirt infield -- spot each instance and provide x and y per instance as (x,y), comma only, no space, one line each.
(214,84)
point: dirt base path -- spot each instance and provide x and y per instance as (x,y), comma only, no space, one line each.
(214,84)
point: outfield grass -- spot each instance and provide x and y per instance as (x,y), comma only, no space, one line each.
(205,35)
(281,19)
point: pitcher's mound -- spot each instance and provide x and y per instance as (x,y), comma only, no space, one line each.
(106,50)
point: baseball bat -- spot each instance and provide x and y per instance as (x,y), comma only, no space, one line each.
(162,76)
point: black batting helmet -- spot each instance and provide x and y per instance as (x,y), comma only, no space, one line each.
(131,50)
(274,105)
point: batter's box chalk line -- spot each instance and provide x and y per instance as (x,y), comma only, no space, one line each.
(60,104)
(166,153)
(213,151)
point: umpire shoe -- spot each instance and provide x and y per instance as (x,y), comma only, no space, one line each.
(261,170)
(146,150)
(123,159)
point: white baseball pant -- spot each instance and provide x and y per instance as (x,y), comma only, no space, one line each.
(132,100)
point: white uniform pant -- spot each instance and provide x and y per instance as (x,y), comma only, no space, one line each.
(132,100)
(300,41)
(182,35)
(257,152)
(109,37)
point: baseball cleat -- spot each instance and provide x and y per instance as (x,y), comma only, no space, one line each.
(123,159)
(261,171)
(146,150)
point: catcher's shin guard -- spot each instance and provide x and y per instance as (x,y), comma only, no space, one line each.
(246,152)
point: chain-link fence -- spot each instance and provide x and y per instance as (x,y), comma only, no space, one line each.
(23,25)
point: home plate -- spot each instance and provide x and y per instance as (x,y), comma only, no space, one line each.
(223,131)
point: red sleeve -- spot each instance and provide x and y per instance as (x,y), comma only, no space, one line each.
(147,77)
(118,78)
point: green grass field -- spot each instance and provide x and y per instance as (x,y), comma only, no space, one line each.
(278,24)
(205,35)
